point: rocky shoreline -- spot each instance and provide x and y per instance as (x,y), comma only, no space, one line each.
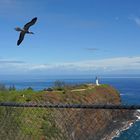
(123,127)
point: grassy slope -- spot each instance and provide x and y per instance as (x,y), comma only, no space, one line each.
(78,94)
(38,123)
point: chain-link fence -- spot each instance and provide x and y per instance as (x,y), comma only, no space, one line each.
(64,122)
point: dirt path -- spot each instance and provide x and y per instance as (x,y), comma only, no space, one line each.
(83,89)
(78,90)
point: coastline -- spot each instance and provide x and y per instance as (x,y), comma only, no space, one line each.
(125,126)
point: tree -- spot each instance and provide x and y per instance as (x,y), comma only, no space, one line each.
(59,85)
(3,87)
(29,88)
(12,87)
(49,89)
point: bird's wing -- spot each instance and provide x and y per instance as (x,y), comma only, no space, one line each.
(21,37)
(32,22)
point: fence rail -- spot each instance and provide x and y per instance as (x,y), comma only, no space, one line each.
(79,106)
(33,121)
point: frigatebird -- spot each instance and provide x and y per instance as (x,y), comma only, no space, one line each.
(25,30)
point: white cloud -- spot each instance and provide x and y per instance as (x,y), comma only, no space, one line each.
(10,61)
(102,65)
(136,19)
(92,49)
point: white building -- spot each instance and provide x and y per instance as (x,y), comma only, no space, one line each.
(97,81)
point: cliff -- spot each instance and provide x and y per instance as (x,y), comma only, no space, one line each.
(84,94)
(64,124)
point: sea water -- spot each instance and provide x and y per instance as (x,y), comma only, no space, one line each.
(129,89)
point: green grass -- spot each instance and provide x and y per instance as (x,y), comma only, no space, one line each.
(17,95)
(40,123)
(104,85)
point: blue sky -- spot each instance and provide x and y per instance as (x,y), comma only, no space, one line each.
(71,37)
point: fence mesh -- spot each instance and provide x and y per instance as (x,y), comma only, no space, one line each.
(34,122)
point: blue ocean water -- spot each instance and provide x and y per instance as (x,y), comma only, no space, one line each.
(129,89)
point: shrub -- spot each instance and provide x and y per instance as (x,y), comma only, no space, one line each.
(29,88)
(59,85)
(49,89)
(3,87)
(12,88)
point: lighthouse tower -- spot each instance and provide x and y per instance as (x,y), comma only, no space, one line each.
(97,81)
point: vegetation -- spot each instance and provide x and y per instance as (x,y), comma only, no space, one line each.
(59,85)
(29,88)
(49,89)
(44,123)
(61,92)
(3,87)
(12,88)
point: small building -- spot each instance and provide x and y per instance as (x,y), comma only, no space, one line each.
(97,81)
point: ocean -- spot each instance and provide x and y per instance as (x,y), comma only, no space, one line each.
(129,88)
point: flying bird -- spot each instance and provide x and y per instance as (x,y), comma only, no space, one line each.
(25,30)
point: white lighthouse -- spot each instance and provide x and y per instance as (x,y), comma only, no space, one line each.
(97,81)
